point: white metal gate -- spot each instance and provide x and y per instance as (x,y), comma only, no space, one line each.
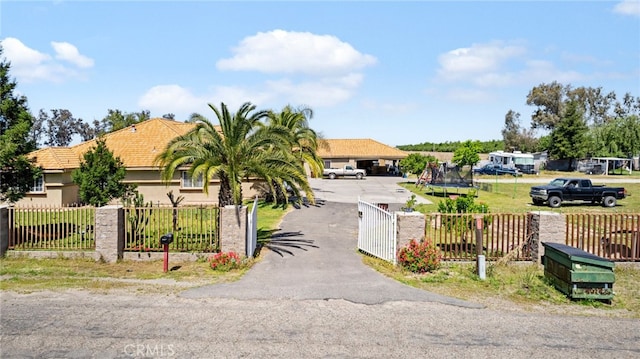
(252,230)
(376,231)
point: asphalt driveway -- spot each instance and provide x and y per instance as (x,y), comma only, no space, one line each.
(314,256)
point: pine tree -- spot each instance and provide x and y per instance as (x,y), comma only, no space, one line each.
(568,138)
(100,176)
(17,171)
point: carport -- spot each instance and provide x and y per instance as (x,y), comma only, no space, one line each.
(610,164)
(366,154)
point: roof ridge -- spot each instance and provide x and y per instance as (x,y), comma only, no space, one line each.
(165,122)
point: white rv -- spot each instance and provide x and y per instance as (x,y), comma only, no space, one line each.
(522,161)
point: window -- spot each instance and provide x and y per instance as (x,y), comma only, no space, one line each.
(188,182)
(38,185)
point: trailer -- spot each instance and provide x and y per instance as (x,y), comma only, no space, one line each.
(522,161)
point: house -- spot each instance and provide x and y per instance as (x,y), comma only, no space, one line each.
(367,154)
(137,147)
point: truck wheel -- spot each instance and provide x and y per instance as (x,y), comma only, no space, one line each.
(555,202)
(609,201)
(332,176)
(358,175)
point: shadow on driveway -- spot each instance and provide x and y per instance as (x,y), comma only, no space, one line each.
(314,256)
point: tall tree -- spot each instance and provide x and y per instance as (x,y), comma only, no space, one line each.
(568,138)
(620,137)
(117,120)
(549,98)
(241,149)
(416,163)
(17,171)
(89,132)
(100,176)
(195,117)
(511,130)
(516,138)
(60,127)
(304,141)
(467,154)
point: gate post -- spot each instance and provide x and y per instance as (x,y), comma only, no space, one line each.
(545,227)
(109,233)
(410,225)
(233,229)
(4,230)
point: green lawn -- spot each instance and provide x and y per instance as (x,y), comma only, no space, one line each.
(513,197)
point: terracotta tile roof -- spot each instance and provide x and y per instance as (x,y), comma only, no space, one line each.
(137,146)
(56,158)
(359,148)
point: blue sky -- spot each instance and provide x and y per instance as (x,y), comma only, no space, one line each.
(397,72)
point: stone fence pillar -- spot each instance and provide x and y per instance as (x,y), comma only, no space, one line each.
(4,230)
(409,225)
(546,227)
(233,229)
(109,233)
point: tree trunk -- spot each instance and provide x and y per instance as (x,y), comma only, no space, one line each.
(225,196)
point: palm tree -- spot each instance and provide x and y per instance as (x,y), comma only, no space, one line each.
(240,148)
(304,140)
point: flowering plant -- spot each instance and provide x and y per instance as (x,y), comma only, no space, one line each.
(419,257)
(225,261)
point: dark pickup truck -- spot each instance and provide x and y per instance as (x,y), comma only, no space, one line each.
(575,189)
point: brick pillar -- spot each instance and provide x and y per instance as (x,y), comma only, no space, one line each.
(409,225)
(109,233)
(546,227)
(233,229)
(4,230)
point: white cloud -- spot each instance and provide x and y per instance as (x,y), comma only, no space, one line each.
(321,93)
(280,51)
(500,65)
(477,59)
(329,69)
(66,51)
(29,65)
(538,71)
(171,99)
(627,7)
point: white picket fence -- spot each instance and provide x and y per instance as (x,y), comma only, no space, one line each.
(376,231)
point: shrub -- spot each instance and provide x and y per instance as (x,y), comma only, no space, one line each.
(419,257)
(225,261)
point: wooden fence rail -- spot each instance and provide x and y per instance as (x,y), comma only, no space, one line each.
(614,236)
(502,234)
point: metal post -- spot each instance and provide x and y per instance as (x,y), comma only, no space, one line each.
(480,259)
(166,257)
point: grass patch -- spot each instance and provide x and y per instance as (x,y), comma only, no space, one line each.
(513,196)
(27,275)
(21,274)
(517,286)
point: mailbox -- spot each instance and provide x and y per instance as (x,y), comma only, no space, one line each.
(166,239)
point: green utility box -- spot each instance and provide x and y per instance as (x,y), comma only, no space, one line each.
(578,274)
